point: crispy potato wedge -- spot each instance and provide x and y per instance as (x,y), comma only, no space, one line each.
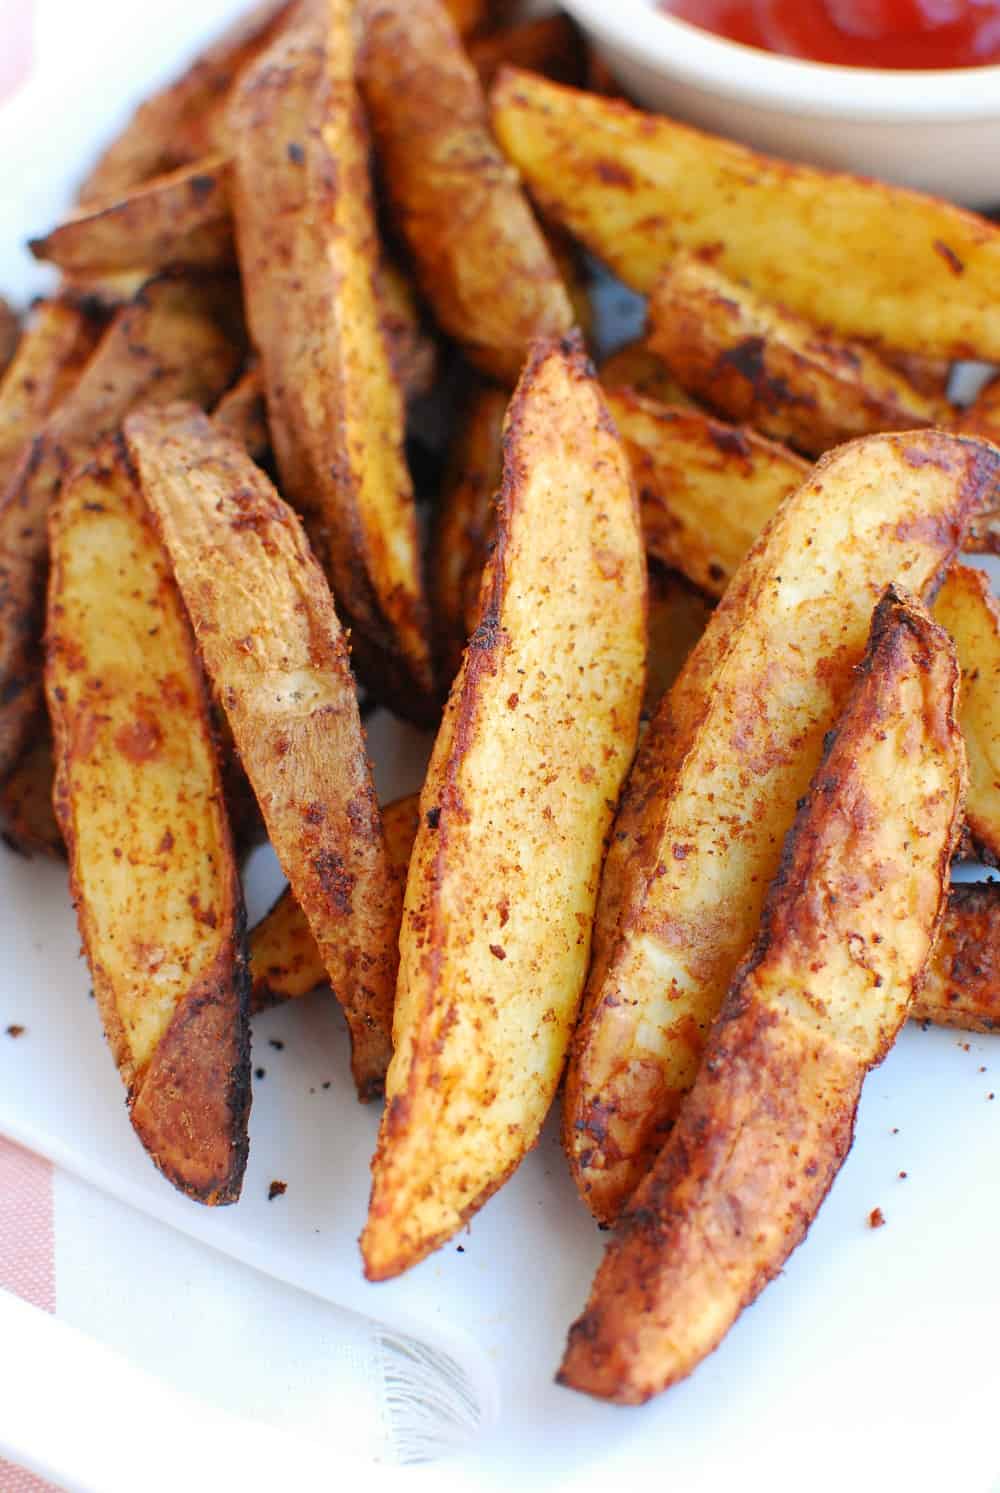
(755,363)
(678,615)
(967,610)
(846,931)
(636,366)
(548,44)
(241,414)
(10,331)
(469,16)
(55,345)
(705,489)
(982,418)
(503,879)
(278,662)
(139,801)
(186,119)
(961,984)
(414,354)
(284,959)
(309,250)
(26,812)
(721,768)
(479,255)
(864,259)
(168,343)
(179,220)
(465,522)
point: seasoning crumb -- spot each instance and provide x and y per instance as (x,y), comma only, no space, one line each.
(991,1096)
(876,1219)
(15,1030)
(276,1190)
(326,1084)
(894,1130)
(902,1174)
(276,1043)
(965,1046)
(498,951)
(460,1249)
(259,1072)
(983,1068)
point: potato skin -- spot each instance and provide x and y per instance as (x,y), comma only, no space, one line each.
(502,882)
(180,220)
(847,928)
(868,261)
(26,813)
(686,874)
(966,608)
(677,615)
(277,660)
(10,331)
(169,343)
(138,797)
(961,984)
(52,352)
(635,366)
(549,44)
(478,253)
(755,363)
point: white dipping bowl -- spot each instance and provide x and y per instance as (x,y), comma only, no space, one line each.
(937,131)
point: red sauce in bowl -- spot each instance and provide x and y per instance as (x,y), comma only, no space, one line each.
(857,33)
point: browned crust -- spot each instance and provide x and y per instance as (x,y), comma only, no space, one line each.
(962,981)
(242,414)
(29,821)
(771,1117)
(10,331)
(412,345)
(549,44)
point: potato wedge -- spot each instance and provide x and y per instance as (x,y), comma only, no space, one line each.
(755,363)
(10,331)
(705,489)
(967,610)
(721,768)
(51,354)
(982,418)
(479,255)
(278,662)
(309,251)
(26,812)
(961,984)
(186,119)
(241,414)
(465,522)
(846,931)
(179,220)
(414,355)
(168,343)
(502,884)
(636,366)
(677,616)
(469,16)
(548,44)
(139,801)
(284,959)
(864,259)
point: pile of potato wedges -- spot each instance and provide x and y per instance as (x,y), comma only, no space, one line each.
(310,417)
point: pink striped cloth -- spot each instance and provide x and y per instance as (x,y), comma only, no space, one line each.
(27,1258)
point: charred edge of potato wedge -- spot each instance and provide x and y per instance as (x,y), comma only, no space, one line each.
(961,985)
(488,988)
(846,930)
(26,812)
(179,220)
(870,261)
(479,255)
(277,659)
(136,761)
(756,363)
(967,609)
(549,44)
(685,878)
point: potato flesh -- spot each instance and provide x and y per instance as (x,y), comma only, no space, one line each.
(502,883)
(278,663)
(848,925)
(755,363)
(719,773)
(140,804)
(867,260)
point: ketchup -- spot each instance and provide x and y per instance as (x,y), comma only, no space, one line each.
(857,33)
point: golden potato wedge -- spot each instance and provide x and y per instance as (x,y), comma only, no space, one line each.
(548,44)
(309,250)
(755,363)
(168,343)
(10,331)
(982,418)
(186,119)
(479,255)
(636,366)
(179,220)
(721,768)
(967,610)
(284,959)
(502,883)
(469,16)
(242,414)
(139,801)
(961,984)
(705,489)
(677,616)
(26,812)
(278,662)
(55,345)
(864,259)
(413,351)
(465,523)
(846,931)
